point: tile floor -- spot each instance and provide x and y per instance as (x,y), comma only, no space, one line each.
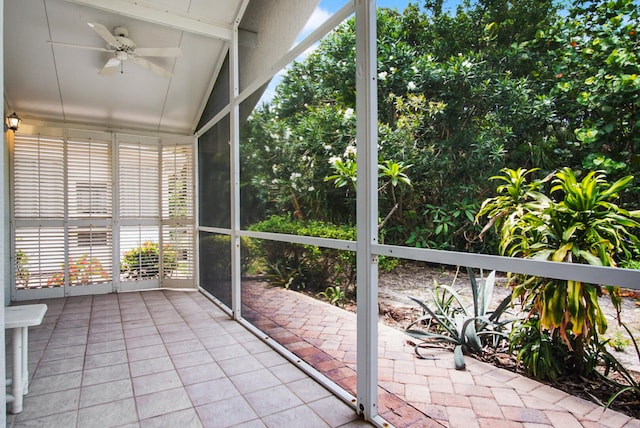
(163,359)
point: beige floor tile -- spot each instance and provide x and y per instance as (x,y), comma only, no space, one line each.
(105,393)
(187,418)
(226,413)
(156,382)
(162,402)
(116,413)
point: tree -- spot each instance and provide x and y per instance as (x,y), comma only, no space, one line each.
(496,84)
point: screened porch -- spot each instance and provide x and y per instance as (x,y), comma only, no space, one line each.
(125,210)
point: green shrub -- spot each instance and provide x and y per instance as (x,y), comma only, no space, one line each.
(575,221)
(334,295)
(143,262)
(300,266)
(215,258)
(543,354)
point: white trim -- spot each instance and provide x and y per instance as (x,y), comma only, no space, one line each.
(169,18)
(282,62)
(115,211)
(367,208)
(234,164)
(139,285)
(196,213)
(50,127)
(337,244)
(299,49)
(89,290)
(220,230)
(627,278)
(38,293)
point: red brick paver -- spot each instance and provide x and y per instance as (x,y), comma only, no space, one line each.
(416,392)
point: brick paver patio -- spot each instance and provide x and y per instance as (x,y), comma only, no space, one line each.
(417,392)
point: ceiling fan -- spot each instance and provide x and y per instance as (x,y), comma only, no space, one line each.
(124,48)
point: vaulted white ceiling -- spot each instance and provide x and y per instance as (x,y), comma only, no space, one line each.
(54,83)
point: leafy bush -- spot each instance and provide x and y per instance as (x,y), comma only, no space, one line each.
(215,254)
(576,222)
(532,83)
(543,354)
(143,262)
(627,382)
(334,295)
(305,266)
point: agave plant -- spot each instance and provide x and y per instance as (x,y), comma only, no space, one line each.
(468,328)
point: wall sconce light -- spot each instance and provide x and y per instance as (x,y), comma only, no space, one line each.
(12,122)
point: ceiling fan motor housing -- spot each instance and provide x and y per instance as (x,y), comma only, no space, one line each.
(125,44)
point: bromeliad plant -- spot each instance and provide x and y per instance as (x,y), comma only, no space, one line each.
(577,223)
(469,329)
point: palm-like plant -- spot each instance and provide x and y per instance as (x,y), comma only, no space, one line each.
(579,223)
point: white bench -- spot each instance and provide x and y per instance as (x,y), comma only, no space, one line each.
(20,318)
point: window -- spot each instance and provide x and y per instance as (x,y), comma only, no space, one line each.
(63,211)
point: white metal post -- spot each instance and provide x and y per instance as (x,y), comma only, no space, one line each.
(5,234)
(234,142)
(115,213)
(367,208)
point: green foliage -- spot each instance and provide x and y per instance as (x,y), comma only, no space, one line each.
(543,354)
(619,342)
(334,295)
(577,222)
(143,262)
(22,272)
(469,329)
(300,266)
(595,63)
(461,95)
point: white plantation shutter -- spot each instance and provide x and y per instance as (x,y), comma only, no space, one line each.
(139,259)
(89,204)
(89,184)
(58,182)
(63,195)
(178,252)
(177,182)
(139,187)
(39,257)
(89,255)
(38,173)
(39,208)
(139,173)
(177,211)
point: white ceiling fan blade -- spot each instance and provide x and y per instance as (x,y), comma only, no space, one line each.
(110,66)
(151,66)
(158,52)
(104,33)
(72,45)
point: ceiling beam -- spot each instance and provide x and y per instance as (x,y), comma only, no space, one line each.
(172,19)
